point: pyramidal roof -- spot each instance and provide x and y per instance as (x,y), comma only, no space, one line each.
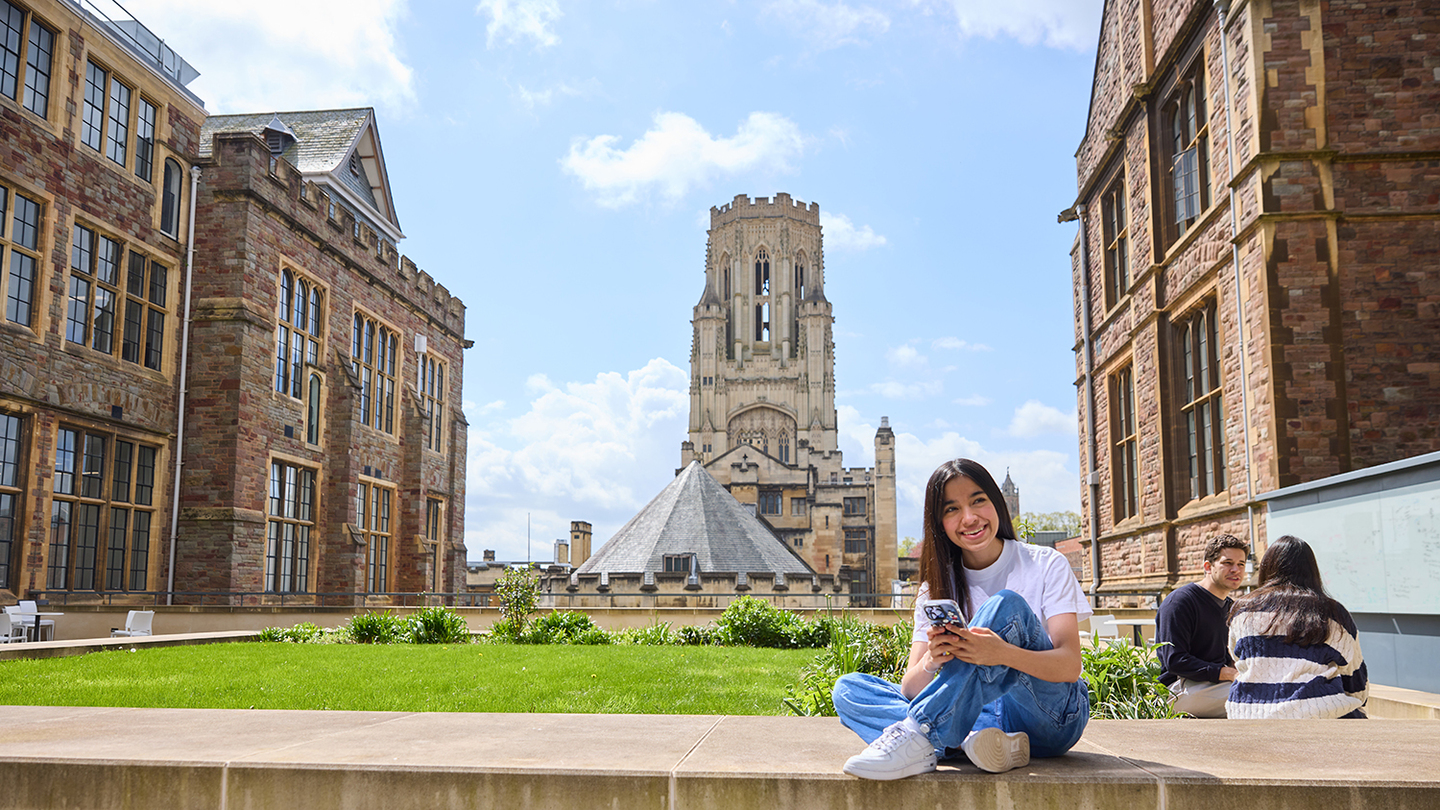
(695,515)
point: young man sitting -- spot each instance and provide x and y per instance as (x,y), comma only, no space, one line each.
(1193,621)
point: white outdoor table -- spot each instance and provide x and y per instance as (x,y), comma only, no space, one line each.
(1136,624)
(35,628)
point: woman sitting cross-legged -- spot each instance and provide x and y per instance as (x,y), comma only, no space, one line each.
(1003,688)
(1295,648)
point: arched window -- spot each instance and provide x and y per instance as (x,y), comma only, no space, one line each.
(312,411)
(762,272)
(800,276)
(297,335)
(170,199)
(372,356)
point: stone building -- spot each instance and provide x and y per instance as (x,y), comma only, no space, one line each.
(1257,272)
(325,446)
(97,137)
(332,463)
(762,394)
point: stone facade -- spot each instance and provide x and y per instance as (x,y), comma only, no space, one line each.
(1254,311)
(762,394)
(93,251)
(99,183)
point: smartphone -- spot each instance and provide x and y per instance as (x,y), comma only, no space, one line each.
(943,611)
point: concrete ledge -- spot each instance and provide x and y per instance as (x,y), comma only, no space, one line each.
(81,646)
(1394,703)
(182,758)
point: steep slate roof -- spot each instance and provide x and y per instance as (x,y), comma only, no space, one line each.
(694,514)
(324,141)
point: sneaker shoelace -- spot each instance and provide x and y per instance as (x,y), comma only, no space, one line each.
(890,739)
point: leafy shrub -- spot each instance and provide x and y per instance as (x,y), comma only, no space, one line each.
(656,635)
(855,646)
(1124,682)
(591,636)
(304,632)
(377,628)
(437,625)
(272,634)
(557,627)
(518,592)
(695,635)
(755,623)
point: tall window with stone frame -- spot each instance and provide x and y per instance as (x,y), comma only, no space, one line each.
(432,394)
(1116,232)
(1202,411)
(372,507)
(297,334)
(1185,136)
(1124,449)
(27,51)
(288,528)
(101,291)
(762,295)
(435,533)
(372,356)
(20,219)
(12,491)
(103,492)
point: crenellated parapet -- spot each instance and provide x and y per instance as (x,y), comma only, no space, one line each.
(781,205)
(242,163)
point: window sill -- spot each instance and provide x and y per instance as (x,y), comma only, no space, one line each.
(1204,505)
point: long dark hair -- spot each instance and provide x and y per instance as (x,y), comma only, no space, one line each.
(1291,590)
(940,565)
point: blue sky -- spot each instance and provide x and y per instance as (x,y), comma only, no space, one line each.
(554,162)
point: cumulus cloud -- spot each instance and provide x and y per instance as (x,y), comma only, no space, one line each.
(828,25)
(1034,419)
(905,355)
(677,154)
(1069,24)
(594,451)
(274,55)
(892,389)
(958,345)
(841,234)
(515,20)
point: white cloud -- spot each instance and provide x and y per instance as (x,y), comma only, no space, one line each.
(958,344)
(595,451)
(274,55)
(1034,419)
(973,401)
(892,389)
(841,234)
(906,355)
(1070,24)
(514,20)
(828,25)
(542,98)
(677,154)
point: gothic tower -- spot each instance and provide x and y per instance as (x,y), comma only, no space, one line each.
(762,394)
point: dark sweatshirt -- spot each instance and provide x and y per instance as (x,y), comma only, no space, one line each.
(1194,623)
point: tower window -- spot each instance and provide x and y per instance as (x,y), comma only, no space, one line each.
(762,272)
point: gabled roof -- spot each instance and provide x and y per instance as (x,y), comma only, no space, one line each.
(695,515)
(325,141)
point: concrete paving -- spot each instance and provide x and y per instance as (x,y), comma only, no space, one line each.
(81,646)
(203,758)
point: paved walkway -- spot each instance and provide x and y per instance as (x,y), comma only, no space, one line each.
(202,758)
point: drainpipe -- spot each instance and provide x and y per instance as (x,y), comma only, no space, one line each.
(180,410)
(1223,7)
(1093,479)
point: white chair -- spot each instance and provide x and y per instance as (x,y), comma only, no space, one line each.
(28,606)
(137,623)
(1103,631)
(9,630)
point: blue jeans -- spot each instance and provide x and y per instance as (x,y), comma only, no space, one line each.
(965,697)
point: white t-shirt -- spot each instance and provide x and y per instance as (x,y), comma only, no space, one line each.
(1040,574)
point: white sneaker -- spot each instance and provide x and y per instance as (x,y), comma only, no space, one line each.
(995,751)
(902,750)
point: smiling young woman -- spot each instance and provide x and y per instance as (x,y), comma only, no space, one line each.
(1003,687)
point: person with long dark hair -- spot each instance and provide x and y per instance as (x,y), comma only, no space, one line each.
(1003,685)
(1296,649)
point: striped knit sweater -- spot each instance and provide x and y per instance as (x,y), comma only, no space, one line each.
(1277,680)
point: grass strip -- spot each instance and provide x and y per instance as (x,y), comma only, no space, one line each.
(410,678)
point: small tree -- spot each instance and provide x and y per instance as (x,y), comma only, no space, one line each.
(518,592)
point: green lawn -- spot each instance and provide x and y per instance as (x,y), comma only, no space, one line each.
(404,677)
